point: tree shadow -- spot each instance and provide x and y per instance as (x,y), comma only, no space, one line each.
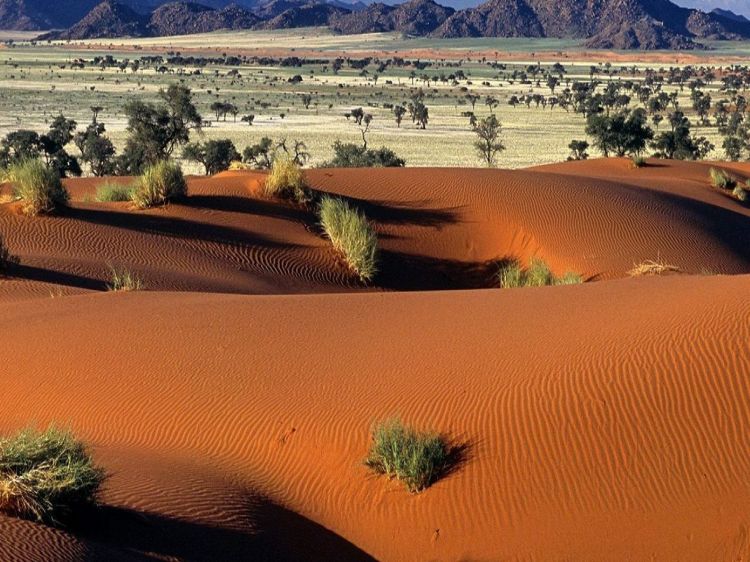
(274,534)
(409,272)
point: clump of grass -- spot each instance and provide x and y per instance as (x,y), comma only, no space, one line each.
(45,476)
(286,180)
(638,161)
(741,193)
(160,183)
(6,258)
(512,275)
(351,235)
(123,279)
(417,459)
(721,179)
(652,267)
(114,192)
(37,186)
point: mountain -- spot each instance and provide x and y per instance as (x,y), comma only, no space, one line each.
(729,14)
(182,18)
(306,15)
(108,19)
(415,17)
(615,24)
(35,15)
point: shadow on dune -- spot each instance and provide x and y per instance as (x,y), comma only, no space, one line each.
(248,205)
(278,534)
(32,273)
(407,213)
(171,226)
(409,272)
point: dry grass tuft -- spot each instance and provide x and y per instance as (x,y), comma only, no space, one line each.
(160,183)
(651,267)
(286,180)
(37,186)
(124,280)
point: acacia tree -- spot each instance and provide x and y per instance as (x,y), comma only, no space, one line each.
(488,143)
(24,145)
(155,130)
(621,134)
(399,111)
(96,149)
(215,155)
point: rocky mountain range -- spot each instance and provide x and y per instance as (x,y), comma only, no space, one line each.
(611,24)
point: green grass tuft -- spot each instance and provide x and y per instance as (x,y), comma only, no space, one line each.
(417,459)
(638,161)
(37,186)
(721,179)
(160,183)
(286,180)
(351,235)
(512,275)
(114,192)
(45,476)
(124,280)
(741,193)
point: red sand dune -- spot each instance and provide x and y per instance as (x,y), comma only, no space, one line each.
(605,421)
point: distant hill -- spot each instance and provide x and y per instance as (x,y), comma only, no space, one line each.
(35,15)
(306,15)
(183,18)
(729,14)
(415,17)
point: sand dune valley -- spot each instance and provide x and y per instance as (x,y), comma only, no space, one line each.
(231,402)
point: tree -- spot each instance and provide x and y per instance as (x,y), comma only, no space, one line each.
(156,130)
(678,143)
(622,133)
(418,110)
(96,149)
(578,150)
(491,102)
(399,111)
(260,154)
(488,144)
(472,99)
(349,155)
(24,145)
(306,100)
(215,155)
(248,119)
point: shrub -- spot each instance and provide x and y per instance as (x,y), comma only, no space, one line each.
(538,274)
(638,161)
(114,192)
(652,267)
(286,180)
(348,155)
(6,258)
(160,183)
(37,186)
(417,459)
(721,179)
(351,235)
(124,280)
(741,194)
(45,476)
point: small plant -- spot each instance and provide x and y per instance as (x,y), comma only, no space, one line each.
(741,193)
(286,181)
(160,183)
(37,186)
(351,235)
(45,476)
(721,179)
(652,267)
(638,161)
(6,258)
(114,192)
(124,280)
(512,275)
(417,459)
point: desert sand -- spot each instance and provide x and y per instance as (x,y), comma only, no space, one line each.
(232,401)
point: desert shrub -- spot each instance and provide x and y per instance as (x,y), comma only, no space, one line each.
(348,155)
(652,267)
(114,192)
(6,258)
(638,161)
(417,459)
(741,194)
(721,179)
(122,279)
(538,274)
(286,181)
(351,235)
(37,186)
(160,183)
(45,476)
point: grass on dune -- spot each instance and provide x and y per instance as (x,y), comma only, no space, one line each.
(538,274)
(286,180)
(351,235)
(416,458)
(652,267)
(6,258)
(114,192)
(37,186)
(46,475)
(122,280)
(721,179)
(160,183)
